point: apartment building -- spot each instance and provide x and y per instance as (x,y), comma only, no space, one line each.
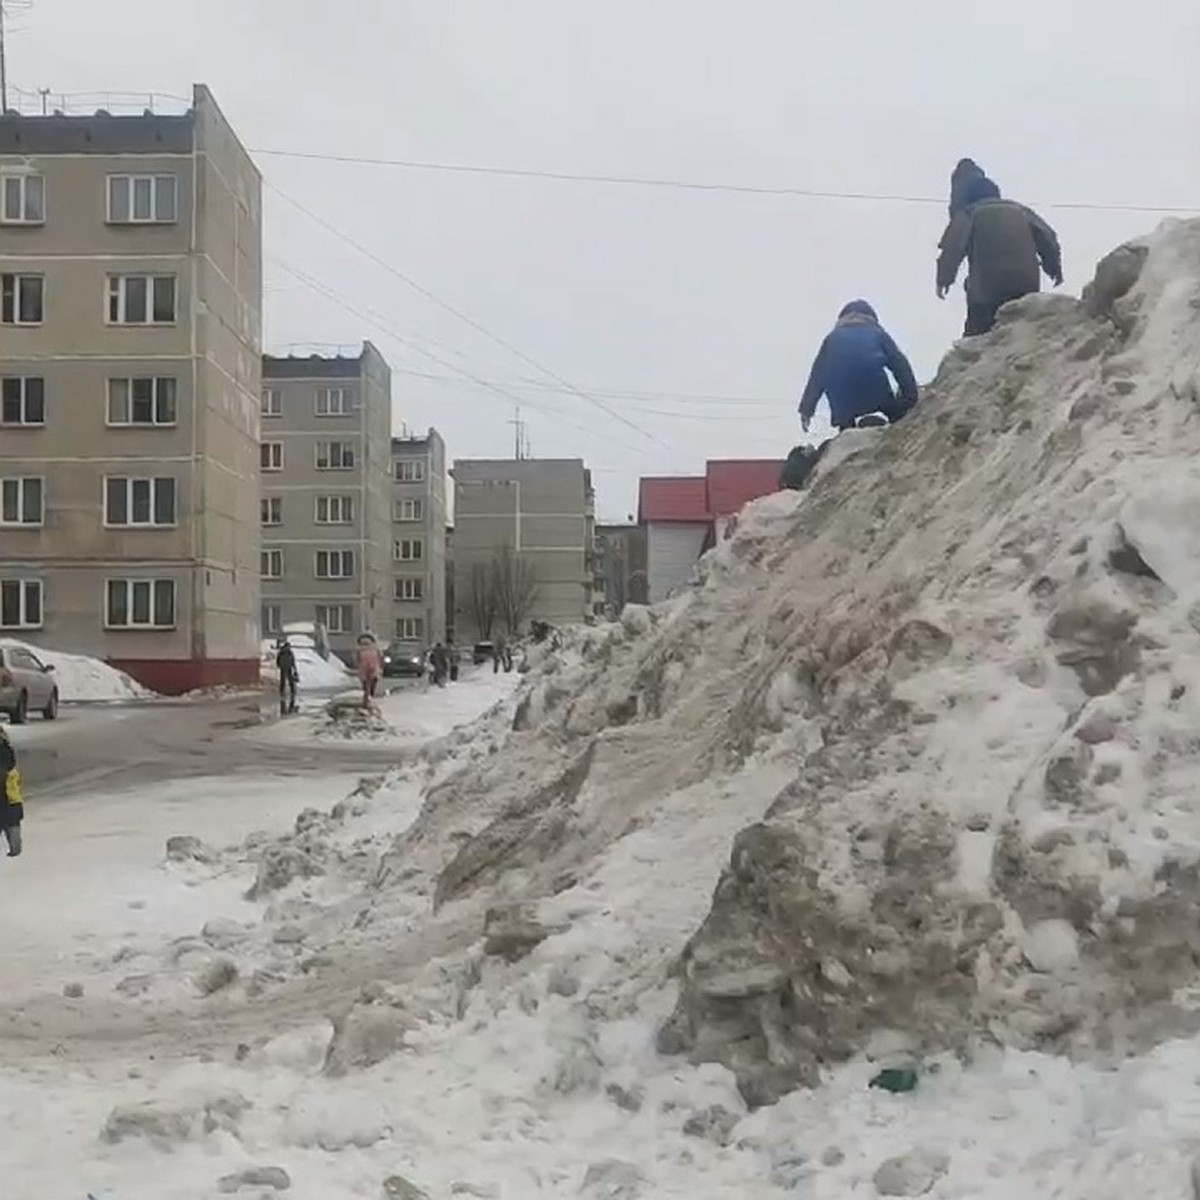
(419,538)
(523,544)
(325,508)
(130,341)
(621,568)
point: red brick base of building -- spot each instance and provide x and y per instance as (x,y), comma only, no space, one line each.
(174,676)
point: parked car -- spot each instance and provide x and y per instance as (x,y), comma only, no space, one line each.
(26,685)
(403,661)
(483,653)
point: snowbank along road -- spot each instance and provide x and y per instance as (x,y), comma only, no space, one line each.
(906,779)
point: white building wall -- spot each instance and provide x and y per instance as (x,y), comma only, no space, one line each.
(672,548)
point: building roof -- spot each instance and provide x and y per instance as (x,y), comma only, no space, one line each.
(681,498)
(734,482)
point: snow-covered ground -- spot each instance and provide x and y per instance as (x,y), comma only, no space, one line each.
(81,678)
(907,779)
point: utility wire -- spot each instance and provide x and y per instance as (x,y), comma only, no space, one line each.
(688,184)
(374,319)
(461,316)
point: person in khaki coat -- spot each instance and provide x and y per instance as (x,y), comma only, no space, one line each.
(1006,245)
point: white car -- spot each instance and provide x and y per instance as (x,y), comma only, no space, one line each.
(26,685)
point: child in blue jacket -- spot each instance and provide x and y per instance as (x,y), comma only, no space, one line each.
(851,368)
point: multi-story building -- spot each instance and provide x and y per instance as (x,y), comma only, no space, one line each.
(621,567)
(130,322)
(523,544)
(419,538)
(326,503)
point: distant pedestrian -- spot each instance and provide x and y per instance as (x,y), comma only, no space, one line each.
(440,661)
(497,655)
(289,677)
(452,655)
(370,667)
(1006,245)
(851,368)
(12,803)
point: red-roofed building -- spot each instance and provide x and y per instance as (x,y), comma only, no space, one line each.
(674,512)
(684,515)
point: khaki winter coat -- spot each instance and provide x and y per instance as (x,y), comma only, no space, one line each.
(1006,246)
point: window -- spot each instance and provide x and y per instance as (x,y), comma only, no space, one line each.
(22,299)
(271,403)
(21,604)
(21,501)
(270,456)
(334,402)
(24,200)
(141,299)
(23,400)
(410,629)
(335,564)
(410,470)
(270,564)
(272,618)
(142,199)
(139,503)
(144,400)
(408,550)
(335,456)
(335,510)
(139,604)
(408,510)
(337,618)
(410,588)
(270,510)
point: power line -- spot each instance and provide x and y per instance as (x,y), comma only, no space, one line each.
(374,319)
(461,316)
(689,184)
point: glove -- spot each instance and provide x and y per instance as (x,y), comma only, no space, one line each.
(941,291)
(805,423)
(1057,280)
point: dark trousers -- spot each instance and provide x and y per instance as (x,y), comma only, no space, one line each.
(287,694)
(893,409)
(12,835)
(980,318)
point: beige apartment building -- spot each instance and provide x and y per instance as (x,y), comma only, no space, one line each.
(130,319)
(523,544)
(419,538)
(325,511)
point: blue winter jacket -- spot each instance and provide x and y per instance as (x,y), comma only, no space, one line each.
(851,369)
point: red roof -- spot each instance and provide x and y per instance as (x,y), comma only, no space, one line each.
(673,498)
(734,482)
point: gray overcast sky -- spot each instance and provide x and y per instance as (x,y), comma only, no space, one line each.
(637,289)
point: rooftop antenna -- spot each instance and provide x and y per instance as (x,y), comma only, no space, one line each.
(520,438)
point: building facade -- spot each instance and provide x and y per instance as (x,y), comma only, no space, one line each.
(419,539)
(621,568)
(325,509)
(523,545)
(130,342)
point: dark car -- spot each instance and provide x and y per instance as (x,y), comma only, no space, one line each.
(484,652)
(403,661)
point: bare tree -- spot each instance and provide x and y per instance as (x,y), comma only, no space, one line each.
(514,588)
(482,600)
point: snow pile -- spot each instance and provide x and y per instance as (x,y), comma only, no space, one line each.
(314,671)
(80,678)
(930,728)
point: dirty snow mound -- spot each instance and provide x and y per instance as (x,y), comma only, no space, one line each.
(81,678)
(975,640)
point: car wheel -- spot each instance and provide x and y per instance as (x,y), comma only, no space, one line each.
(50,712)
(21,712)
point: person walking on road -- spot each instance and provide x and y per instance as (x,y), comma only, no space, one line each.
(12,803)
(289,677)
(851,368)
(1006,245)
(370,667)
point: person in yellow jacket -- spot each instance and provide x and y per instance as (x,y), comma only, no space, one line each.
(12,804)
